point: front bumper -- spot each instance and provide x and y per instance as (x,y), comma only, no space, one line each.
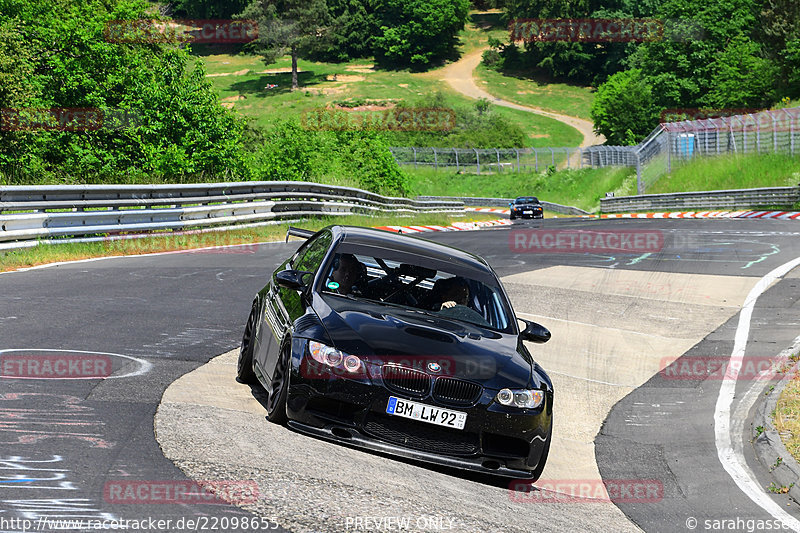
(496,439)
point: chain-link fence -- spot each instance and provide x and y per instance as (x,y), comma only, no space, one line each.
(489,159)
(668,145)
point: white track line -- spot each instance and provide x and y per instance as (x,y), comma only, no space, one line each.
(733,460)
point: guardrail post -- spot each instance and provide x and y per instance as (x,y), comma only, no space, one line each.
(517,152)
(435,160)
(498,159)
(791,135)
(455,151)
(553,154)
(535,159)
(478,160)
(415,156)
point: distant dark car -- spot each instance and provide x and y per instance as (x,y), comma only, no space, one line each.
(403,346)
(526,207)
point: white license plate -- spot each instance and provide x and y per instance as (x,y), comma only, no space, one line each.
(426,413)
(527,212)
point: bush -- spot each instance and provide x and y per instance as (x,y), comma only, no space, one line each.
(623,109)
(491,58)
(356,158)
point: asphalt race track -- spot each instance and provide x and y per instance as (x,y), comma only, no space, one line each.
(107,449)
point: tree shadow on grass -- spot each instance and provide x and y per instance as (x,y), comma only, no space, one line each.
(488,21)
(258,87)
(539,77)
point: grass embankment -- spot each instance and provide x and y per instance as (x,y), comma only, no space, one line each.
(787,417)
(730,172)
(580,188)
(51,253)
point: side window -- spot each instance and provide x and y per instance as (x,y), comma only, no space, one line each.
(312,255)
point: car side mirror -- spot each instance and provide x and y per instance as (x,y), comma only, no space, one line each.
(292,279)
(534,332)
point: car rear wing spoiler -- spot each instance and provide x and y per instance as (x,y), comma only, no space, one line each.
(298,232)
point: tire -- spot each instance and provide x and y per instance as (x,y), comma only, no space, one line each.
(276,403)
(512,217)
(537,472)
(245,372)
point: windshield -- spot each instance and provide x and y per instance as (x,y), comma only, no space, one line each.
(417,283)
(527,200)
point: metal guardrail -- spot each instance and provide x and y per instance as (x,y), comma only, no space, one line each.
(35,213)
(503,202)
(730,199)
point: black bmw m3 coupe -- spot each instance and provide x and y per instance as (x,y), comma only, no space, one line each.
(400,345)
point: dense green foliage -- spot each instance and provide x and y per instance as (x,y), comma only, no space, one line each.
(207,9)
(397,33)
(623,109)
(714,54)
(417,32)
(290,152)
(54,55)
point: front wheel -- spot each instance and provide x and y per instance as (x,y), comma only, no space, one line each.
(276,403)
(245,372)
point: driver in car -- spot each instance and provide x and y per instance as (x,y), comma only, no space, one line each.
(452,292)
(348,273)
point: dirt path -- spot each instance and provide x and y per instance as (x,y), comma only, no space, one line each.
(459,76)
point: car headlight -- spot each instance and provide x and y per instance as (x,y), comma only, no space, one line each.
(330,356)
(522,398)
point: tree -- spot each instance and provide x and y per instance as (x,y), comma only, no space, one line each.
(64,60)
(416,33)
(741,77)
(779,32)
(352,30)
(624,106)
(686,72)
(296,27)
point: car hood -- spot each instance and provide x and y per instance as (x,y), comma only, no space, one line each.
(381,334)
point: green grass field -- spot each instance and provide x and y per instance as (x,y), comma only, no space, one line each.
(241,83)
(572,100)
(731,172)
